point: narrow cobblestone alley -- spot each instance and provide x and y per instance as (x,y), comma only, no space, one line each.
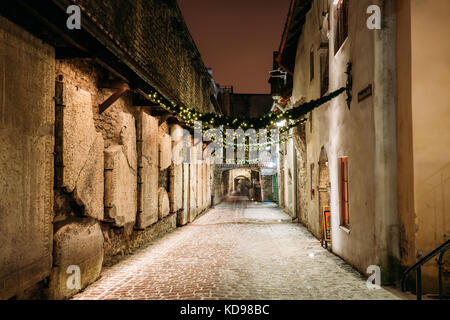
(238,250)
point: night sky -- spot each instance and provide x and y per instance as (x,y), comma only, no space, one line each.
(237,38)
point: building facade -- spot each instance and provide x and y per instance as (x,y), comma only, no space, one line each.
(374,165)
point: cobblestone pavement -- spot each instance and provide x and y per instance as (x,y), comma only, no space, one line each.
(239,250)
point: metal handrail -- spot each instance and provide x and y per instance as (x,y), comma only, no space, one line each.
(417,266)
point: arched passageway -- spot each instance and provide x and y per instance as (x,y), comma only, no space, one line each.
(324,198)
(242,186)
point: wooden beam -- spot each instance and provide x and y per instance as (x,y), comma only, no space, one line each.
(113,98)
(113,84)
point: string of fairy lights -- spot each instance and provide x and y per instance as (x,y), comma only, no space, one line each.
(290,118)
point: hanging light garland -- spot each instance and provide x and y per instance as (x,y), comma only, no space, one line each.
(292,117)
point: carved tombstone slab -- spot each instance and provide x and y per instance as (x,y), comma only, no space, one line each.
(208,185)
(27,73)
(81,148)
(89,190)
(148,171)
(165,150)
(176,170)
(199,186)
(205,185)
(192,186)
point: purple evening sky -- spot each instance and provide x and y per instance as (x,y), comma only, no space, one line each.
(237,38)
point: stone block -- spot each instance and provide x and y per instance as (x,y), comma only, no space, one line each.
(79,151)
(176,170)
(148,138)
(120,187)
(78,134)
(199,189)
(165,151)
(192,186)
(163,203)
(209,182)
(128,139)
(78,244)
(205,185)
(89,188)
(148,171)
(183,216)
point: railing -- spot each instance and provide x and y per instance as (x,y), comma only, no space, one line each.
(417,267)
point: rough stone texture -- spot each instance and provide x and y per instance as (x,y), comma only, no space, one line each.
(79,244)
(176,170)
(267,188)
(81,149)
(176,188)
(303,190)
(147,146)
(192,186)
(163,203)
(205,185)
(153,33)
(118,242)
(192,189)
(78,135)
(237,251)
(165,151)
(26,159)
(89,190)
(429,132)
(208,186)
(199,190)
(120,187)
(183,217)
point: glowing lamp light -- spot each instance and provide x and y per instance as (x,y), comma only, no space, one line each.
(281,124)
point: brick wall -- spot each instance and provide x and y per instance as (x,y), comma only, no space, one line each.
(153,34)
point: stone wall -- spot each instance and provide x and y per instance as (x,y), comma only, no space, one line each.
(108,167)
(429,131)
(123,156)
(154,35)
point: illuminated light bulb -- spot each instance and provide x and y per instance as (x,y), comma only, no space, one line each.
(281,124)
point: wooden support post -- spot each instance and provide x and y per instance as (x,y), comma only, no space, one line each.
(122,88)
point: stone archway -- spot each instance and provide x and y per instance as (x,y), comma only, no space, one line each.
(324,187)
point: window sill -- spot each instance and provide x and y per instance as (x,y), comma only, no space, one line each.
(345,229)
